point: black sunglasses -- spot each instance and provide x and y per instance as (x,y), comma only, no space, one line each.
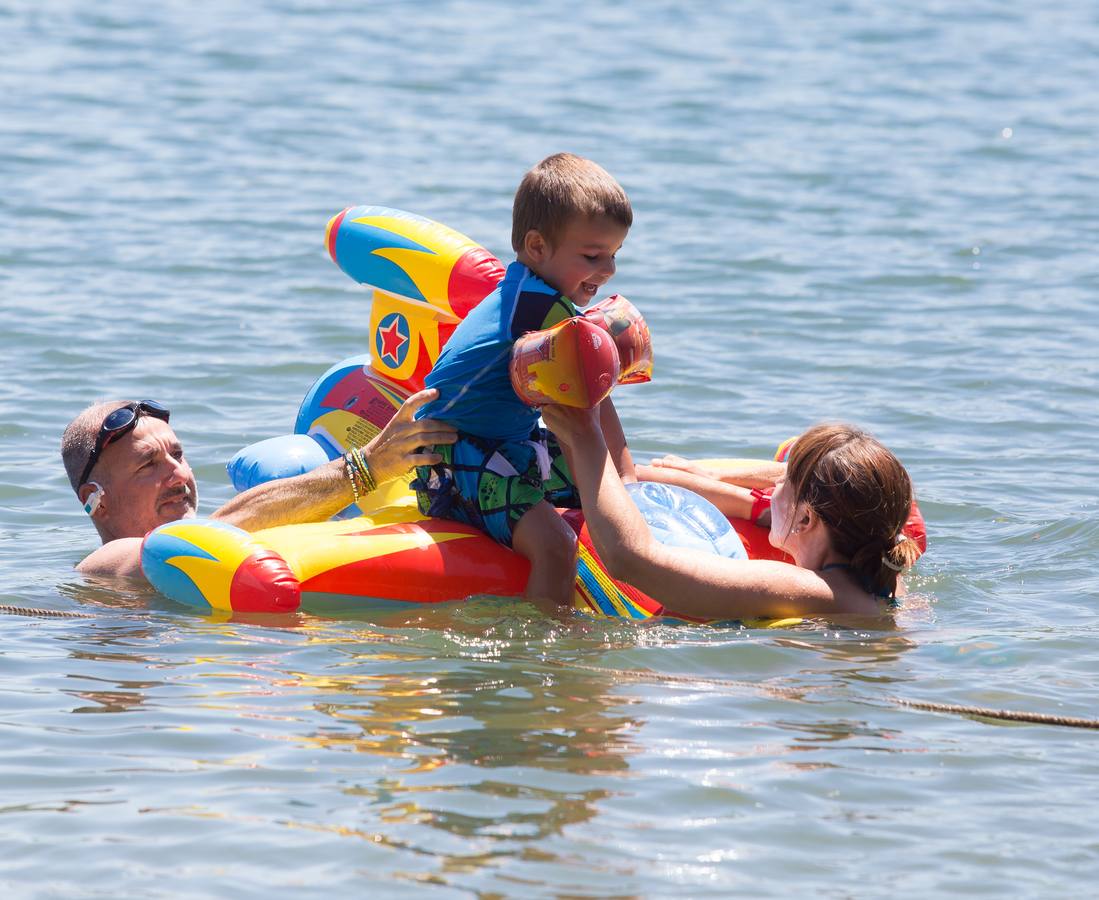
(118,423)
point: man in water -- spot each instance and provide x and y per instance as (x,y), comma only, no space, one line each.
(128,470)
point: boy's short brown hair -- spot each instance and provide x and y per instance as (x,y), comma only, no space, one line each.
(560,188)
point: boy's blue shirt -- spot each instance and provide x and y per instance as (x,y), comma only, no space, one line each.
(471,374)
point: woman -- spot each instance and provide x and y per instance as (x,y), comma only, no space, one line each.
(838,511)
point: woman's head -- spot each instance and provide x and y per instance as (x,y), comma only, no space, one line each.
(862,494)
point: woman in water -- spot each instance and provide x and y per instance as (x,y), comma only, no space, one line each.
(838,512)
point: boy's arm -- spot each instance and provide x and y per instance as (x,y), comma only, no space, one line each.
(616,441)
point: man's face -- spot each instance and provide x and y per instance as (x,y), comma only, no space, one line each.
(582,260)
(146,481)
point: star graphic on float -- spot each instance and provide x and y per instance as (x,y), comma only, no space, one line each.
(392,341)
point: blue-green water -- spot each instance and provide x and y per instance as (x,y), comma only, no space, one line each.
(885,213)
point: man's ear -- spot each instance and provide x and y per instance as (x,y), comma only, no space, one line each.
(91,497)
(535,246)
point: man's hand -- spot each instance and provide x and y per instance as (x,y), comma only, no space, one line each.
(401,444)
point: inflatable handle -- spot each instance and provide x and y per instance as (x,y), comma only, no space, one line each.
(413,257)
(426,278)
(625,324)
(573,363)
(208,564)
(279,457)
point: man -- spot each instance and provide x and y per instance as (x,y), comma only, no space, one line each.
(128,470)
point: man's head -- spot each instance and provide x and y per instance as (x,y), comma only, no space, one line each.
(137,478)
(568,221)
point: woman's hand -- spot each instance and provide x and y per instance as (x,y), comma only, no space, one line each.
(672,461)
(402,443)
(571,426)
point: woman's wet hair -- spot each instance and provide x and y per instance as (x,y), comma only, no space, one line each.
(863,495)
(563,187)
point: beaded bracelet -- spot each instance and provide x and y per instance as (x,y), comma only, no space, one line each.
(362,479)
(348,467)
(364,470)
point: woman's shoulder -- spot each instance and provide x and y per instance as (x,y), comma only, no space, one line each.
(829,591)
(848,594)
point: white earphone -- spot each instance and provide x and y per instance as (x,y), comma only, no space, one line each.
(94,498)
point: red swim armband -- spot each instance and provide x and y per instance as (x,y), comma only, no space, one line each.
(574,363)
(626,326)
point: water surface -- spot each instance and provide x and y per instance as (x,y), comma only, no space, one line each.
(883,214)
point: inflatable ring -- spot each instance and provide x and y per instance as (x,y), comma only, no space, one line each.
(393,555)
(425,277)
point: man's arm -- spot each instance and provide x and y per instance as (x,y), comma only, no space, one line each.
(320,494)
(311,497)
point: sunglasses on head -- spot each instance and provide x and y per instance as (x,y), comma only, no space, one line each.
(118,423)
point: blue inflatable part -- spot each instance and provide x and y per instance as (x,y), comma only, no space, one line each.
(681,518)
(278,457)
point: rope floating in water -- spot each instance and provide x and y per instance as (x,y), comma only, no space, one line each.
(982,712)
(43,613)
(1006,715)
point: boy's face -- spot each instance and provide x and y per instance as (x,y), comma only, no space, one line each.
(582,259)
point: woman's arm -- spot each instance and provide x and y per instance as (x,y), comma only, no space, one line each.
(747,473)
(731,499)
(615,437)
(320,494)
(689,582)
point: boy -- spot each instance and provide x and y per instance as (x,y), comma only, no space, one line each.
(505,474)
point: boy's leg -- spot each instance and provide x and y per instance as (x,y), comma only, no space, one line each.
(548,541)
(498,487)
